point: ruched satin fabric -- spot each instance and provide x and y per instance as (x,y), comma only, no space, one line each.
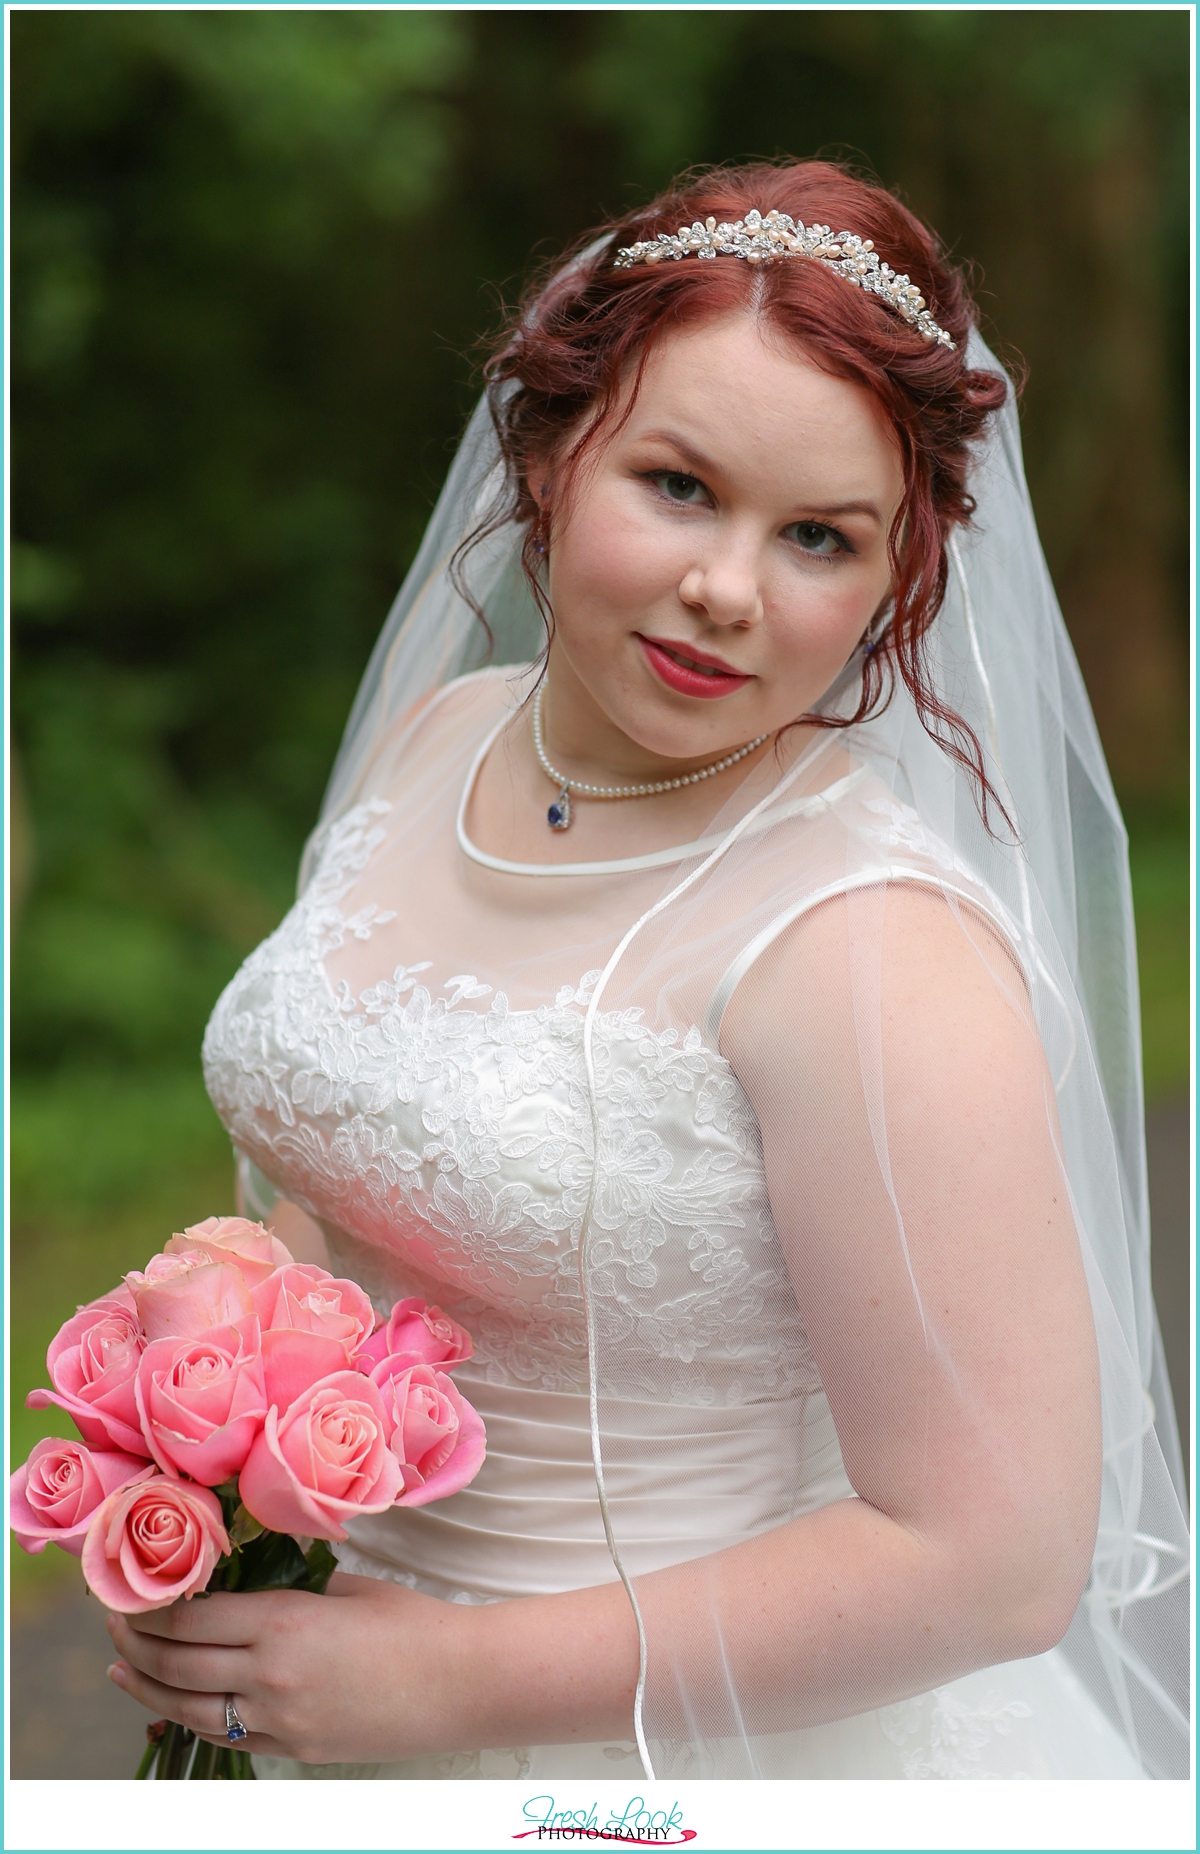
(530,1522)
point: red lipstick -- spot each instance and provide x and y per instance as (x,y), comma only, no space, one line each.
(689,671)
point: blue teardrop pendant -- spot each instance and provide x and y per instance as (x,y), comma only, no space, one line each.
(559,815)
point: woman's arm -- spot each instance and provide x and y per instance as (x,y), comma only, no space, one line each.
(257,1198)
(949,1317)
(911,1139)
(301,1236)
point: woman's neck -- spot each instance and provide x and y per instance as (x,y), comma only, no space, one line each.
(506,813)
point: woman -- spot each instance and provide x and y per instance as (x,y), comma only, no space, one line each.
(730,1021)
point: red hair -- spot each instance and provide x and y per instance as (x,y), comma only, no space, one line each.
(580,332)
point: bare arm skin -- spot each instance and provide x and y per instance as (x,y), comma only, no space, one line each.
(967,1410)
(304,1238)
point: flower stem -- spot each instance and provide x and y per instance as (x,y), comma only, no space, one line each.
(148,1757)
(204,1763)
(177,1743)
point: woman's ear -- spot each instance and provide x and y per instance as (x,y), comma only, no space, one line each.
(537,478)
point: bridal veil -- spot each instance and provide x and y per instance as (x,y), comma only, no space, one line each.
(1056,897)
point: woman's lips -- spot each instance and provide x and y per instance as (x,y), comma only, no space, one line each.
(688,673)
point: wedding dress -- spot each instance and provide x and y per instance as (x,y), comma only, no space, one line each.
(502,1087)
(401,1059)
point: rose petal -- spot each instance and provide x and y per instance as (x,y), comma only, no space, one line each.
(334,1436)
(463,1465)
(42,1520)
(256,1251)
(202,1401)
(153,1542)
(294,1361)
(193,1303)
(309,1299)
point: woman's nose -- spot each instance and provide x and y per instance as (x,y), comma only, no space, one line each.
(726,589)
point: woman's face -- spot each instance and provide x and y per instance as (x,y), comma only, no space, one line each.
(723,554)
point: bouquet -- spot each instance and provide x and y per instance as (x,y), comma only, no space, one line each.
(236,1408)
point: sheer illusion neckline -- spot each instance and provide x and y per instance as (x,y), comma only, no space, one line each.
(653,859)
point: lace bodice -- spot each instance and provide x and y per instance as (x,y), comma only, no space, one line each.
(445,1137)
(449,1137)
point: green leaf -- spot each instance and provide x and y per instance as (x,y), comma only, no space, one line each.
(321,1566)
(244,1527)
(272,1561)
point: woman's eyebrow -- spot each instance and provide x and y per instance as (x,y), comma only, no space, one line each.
(838,509)
(696,458)
(834,511)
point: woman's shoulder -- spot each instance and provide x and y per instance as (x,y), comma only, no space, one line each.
(842,825)
(893,1016)
(428,745)
(442,729)
(482,693)
(877,899)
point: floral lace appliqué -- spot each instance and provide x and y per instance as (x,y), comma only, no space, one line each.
(954,1738)
(451,1137)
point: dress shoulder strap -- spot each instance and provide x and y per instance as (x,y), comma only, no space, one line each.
(871,877)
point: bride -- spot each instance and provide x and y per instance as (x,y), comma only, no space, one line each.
(712,984)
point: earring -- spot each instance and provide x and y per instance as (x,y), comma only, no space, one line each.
(539,545)
(872,639)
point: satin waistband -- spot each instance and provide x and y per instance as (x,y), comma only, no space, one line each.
(681,1481)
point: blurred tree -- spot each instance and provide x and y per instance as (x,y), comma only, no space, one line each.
(249,250)
(219,427)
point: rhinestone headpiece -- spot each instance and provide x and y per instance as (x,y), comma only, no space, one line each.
(775,235)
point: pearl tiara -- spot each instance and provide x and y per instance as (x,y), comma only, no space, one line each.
(774,235)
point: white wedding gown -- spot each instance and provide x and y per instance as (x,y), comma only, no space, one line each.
(440,1135)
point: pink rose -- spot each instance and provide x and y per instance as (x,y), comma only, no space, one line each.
(293,1362)
(311,1300)
(202,1401)
(52,1499)
(152,1542)
(202,1295)
(255,1250)
(425,1334)
(93,1361)
(436,1437)
(325,1460)
(165,1268)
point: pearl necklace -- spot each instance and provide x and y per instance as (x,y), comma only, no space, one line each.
(559,815)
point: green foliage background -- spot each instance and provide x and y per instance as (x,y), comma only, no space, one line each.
(250,251)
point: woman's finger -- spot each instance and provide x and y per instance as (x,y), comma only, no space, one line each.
(233,1621)
(202,1713)
(189,1666)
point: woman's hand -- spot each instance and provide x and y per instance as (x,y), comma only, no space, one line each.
(369,1672)
(374,1673)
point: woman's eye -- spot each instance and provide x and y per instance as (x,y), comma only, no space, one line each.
(680,487)
(815,538)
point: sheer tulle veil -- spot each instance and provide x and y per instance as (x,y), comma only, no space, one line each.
(1059,895)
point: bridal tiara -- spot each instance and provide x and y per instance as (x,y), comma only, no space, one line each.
(776,234)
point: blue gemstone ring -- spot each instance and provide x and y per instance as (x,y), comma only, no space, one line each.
(235,1731)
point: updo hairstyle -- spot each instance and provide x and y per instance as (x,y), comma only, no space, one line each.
(557,372)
